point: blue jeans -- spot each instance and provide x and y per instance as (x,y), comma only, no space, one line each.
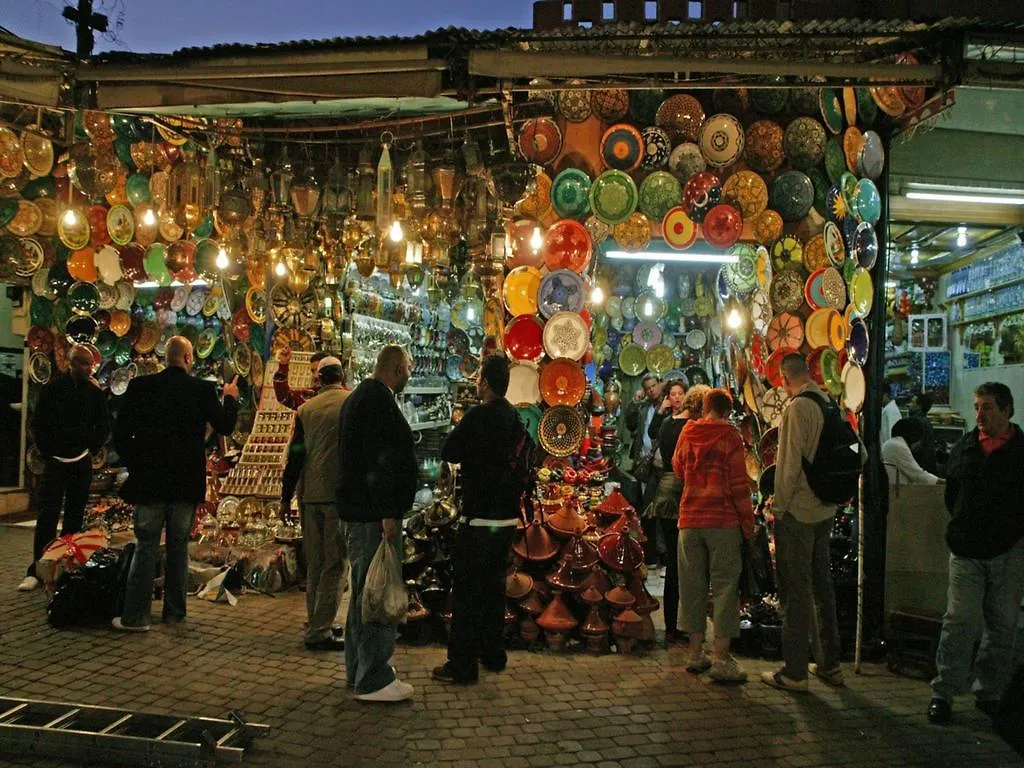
(368,647)
(150,521)
(984,599)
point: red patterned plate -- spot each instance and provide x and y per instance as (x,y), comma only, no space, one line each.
(773,370)
(524,338)
(567,245)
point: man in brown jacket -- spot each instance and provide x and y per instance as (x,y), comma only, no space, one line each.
(314,465)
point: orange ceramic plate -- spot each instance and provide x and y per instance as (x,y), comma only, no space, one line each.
(785,330)
(562,382)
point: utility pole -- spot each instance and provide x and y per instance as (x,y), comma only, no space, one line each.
(85,22)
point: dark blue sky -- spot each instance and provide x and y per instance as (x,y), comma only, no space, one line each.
(165,25)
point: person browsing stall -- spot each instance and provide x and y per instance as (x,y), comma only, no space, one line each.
(898,457)
(293,398)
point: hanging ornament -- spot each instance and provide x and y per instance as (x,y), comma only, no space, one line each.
(385,184)
(416,180)
(364,186)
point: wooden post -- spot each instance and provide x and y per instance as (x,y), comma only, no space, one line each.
(85,22)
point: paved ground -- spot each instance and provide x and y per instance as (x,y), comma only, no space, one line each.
(547,709)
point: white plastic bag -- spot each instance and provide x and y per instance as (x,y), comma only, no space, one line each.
(385,600)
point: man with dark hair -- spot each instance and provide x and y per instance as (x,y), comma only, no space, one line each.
(803,528)
(985,498)
(376,488)
(161,435)
(639,414)
(293,398)
(890,411)
(925,449)
(314,466)
(70,421)
(484,443)
(898,458)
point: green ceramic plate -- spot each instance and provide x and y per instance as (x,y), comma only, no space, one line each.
(570,193)
(632,359)
(835,160)
(659,193)
(613,197)
(831,109)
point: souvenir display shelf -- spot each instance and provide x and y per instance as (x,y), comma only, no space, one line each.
(260,470)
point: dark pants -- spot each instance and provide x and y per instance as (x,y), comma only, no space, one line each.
(479,560)
(368,646)
(62,485)
(152,519)
(670,600)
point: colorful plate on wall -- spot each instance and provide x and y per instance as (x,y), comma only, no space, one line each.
(857,344)
(659,193)
(613,197)
(657,148)
(566,335)
(804,143)
(647,334)
(660,360)
(622,147)
(831,109)
(833,286)
(567,245)
(721,140)
(682,116)
(865,245)
(686,160)
(785,330)
(862,292)
(523,384)
(792,195)
(854,386)
(562,382)
(787,290)
(524,338)
(746,191)
(570,193)
(867,202)
(788,252)
(872,156)
(560,291)
(633,234)
(835,249)
(632,359)
(520,290)
(678,229)
(540,140)
(561,431)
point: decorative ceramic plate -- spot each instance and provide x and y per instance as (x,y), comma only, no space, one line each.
(833,288)
(787,291)
(831,109)
(562,382)
(83,298)
(865,245)
(524,338)
(816,329)
(763,148)
(722,226)
(788,252)
(566,335)
(570,193)
(613,197)
(561,431)
(835,249)
(814,253)
(835,160)
(872,156)
(813,292)
(792,195)
(622,147)
(773,405)
(830,372)
(746,191)
(867,202)
(634,233)
(678,229)
(686,160)
(520,290)
(610,104)
(81,329)
(28,256)
(574,103)
(889,100)
(760,311)
(647,335)
(785,330)
(560,291)
(523,384)
(862,292)
(632,359)
(660,360)
(742,275)
(659,193)
(74,233)
(121,224)
(721,140)
(657,148)
(11,154)
(696,339)
(567,245)
(804,143)
(767,227)
(682,116)
(27,219)
(853,142)
(296,339)
(857,344)
(854,386)
(540,140)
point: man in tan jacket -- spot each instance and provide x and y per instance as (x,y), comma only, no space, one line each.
(314,466)
(803,526)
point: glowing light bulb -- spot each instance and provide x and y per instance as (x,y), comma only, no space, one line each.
(222,259)
(648,308)
(470,314)
(536,240)
(395,232)
(961,236)
(733,320)
(70,217)
(597,295)
(280,269)
(914,254)
(149,218)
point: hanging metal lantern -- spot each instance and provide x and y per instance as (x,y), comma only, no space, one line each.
(471,156)
(336,191)
(446,180)
(185,193)
(385,186)
(305,193)
(364,186)
(281,180)
(257,186)
(211,179)
(416,180)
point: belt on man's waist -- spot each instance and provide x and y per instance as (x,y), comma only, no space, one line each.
(482,522)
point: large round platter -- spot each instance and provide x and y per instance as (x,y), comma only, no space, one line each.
(833,287)
(862,292)
(523,384)
(865,245)
(567,245)
(657,148)
(678,229)
(540,141)
(831,109)
(746,191)
(659,193)
(792,195)
(804,143)
(560,291)
(787,291)
(524,338)
(686,160)
(835,249)
(764,146)
(570,193)
(622,147)
(682,116)
(857,343)
(561,431)
(562,382)
(854,386)
(785,330)
(633,234)
(721,140)
(566,335)
(520,290)
(647,334)
(613,197)
(660,360)
(872,156)
(632,359)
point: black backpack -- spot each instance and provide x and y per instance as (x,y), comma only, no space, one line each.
(520,468)
(835,470)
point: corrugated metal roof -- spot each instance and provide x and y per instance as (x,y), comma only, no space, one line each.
(454,36)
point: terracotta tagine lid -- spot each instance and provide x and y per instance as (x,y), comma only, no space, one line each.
(627,624)
(564,577)
(567,521)
(535,543)
(645,601)
(581,552)
(620,552)
(591,596)
(594,625)
(557,617)
(613,506)
(619,598)
(528,630)
(598,579)
(531,604)
(518,584)
(626,523)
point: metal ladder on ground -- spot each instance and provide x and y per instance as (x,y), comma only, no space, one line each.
(108,735)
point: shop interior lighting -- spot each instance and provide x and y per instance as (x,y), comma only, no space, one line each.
(222,259)
(915,253)
(980,195)
(734,319)
(682,257)
(536,240)
(70,217)
(961,236)
(173,284)
(280,269)
(149,218)
(597,295)
(395,232)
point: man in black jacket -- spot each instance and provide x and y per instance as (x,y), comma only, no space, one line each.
(484,443)
(985,498)
(378,482)
(69,422)
(160,434)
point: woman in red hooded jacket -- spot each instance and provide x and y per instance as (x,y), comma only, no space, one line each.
(715,514)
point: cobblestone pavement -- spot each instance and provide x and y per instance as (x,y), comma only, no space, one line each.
(547,709)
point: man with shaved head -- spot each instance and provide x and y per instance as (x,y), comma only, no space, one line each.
(160,434)
(69,421)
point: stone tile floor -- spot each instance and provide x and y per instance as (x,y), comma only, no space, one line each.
(547,709)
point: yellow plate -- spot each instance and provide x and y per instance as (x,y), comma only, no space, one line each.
(862,292)
(520,291)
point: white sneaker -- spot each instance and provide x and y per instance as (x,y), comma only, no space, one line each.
(727,670)
(117,624)
(28,584)
(698,664)
(394,691)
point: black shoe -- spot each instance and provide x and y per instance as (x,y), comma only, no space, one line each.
(494,667)
(988,706)
(326,644)
(939,712)
(445,674)
(338,631)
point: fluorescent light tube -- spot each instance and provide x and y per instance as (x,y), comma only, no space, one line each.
(956,197)
(174,284)
(679,257)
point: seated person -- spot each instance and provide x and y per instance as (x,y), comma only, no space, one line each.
(898,457)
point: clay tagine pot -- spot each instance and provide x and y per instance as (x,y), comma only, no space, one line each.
(567,521)
(528,630)
(594,628)
(645,602)
(581,552)
(557,621)
(613,506)
(627,627)
(564,577)
(518,584)
(619,598)
(620,552)
(535,543)
(531,604)
(598,579)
